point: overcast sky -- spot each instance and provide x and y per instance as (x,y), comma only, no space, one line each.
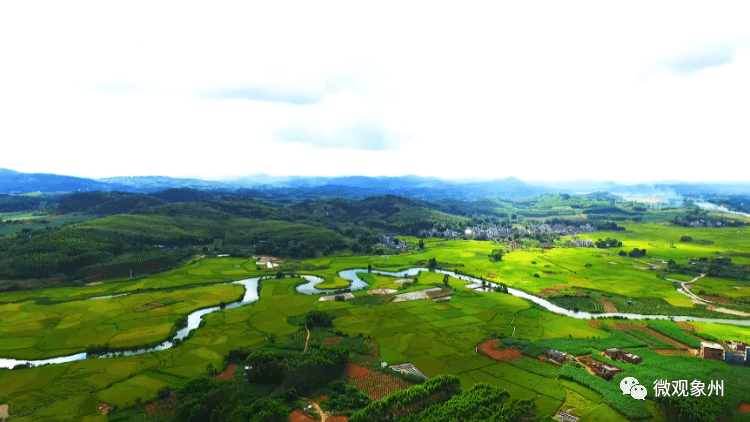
(642,91)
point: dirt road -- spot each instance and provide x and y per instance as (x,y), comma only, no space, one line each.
(693,296)
(323,415)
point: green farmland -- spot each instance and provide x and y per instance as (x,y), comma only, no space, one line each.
(438,338)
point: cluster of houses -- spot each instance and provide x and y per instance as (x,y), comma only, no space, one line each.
(562,229)
(617,354)
(582,243)
(447,233)
(699,223)
(494,231)
(392,242)
(602,369)
(735,352)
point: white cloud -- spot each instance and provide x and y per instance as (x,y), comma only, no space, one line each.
(538,91)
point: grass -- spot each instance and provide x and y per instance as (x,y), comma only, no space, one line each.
(34,331)
(674,331)
(733,289)
(647,338)
(537,367)
(581,405)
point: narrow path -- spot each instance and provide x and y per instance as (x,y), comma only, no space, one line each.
(307,339)
(590,371)
(695,297)
(323,415)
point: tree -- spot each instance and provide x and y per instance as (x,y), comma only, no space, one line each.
(497,255)
(265,367)
(211,368)
(445,279)
(164,392)
(432,263)
(421,244)
(369,268)
(261,410)
(280,274)
(318,319)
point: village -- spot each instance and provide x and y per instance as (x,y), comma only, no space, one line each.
(494,231)
(731,352)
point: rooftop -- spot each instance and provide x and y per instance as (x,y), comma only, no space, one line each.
(705,344)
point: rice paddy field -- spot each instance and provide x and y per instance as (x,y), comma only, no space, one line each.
(436,337)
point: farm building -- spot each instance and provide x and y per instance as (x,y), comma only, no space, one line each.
(631,358)
(546,245)
(618,354)
(735,357)
(739,346)
(711,351)
(614,353)
(603,369)
(556,355)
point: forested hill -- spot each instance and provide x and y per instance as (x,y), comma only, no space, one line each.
(359,187)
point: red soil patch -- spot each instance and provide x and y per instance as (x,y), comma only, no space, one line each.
(337,419)
(163,407)
(227,374)
(673,352)
(55,217)
(503,355)
(608,306)
(321,398)
(356,371)
(300,416)
(332,340)
(594,324)
(718,299)
(552,290)
(622,326)
(104,408)
(743,407)
(688,327)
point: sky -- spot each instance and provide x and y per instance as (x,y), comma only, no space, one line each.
(628,92)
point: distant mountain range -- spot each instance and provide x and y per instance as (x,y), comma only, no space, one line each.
(13,182)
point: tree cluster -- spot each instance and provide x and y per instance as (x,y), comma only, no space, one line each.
(607,243)
(205,399)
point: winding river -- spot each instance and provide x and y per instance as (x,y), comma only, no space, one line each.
(251,295)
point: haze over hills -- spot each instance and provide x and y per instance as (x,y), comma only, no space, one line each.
(13,182)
